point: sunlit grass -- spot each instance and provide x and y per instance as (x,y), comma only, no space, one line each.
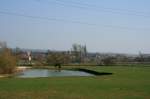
(125,83)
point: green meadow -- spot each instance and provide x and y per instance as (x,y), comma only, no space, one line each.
(125,83)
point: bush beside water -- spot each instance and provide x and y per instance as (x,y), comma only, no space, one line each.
(7,61)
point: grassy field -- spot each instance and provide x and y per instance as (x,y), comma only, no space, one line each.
(125,83)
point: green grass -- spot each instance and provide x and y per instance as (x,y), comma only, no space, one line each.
(125,83)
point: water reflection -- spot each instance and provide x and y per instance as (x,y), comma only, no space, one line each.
(32,73)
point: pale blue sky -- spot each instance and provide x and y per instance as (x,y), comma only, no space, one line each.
(121,26)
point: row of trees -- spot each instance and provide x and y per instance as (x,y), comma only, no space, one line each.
(122,59)
(77,54)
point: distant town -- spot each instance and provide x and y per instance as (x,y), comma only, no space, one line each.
(77,55)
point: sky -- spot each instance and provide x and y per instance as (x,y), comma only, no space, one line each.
(118,26)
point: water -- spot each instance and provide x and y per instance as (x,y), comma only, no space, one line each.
(33,73)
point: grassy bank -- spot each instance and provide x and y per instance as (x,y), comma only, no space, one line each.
(125,83)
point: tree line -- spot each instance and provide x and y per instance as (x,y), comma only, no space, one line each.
(78,55)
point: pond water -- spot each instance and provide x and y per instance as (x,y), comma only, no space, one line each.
(33,73)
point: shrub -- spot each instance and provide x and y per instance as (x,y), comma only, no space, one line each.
(7,62)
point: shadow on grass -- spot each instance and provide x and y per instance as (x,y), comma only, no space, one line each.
(94,72)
